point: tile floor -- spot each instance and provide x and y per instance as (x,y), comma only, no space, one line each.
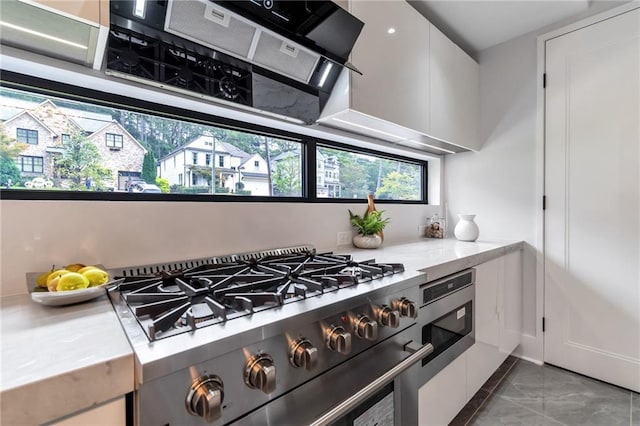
(523,393)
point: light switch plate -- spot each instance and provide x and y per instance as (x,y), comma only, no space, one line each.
(344,238)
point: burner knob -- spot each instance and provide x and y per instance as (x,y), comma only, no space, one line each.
(406,307)
(387,317)
(205,398)
(303,354)
(260,373)
(365,328)
(339,340)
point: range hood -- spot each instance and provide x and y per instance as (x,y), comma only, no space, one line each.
(278,58)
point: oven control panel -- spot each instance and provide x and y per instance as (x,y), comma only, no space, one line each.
(228,387)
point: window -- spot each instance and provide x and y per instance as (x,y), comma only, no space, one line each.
(352,174)
(114,140)
(31,164)
(27,136)
(177,137)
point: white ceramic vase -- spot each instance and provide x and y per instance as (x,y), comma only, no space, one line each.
(367,241)
(466,229)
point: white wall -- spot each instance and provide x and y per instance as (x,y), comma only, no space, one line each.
(38,234)
(498,182)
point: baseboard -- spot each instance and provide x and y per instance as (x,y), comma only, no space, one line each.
(530,349)
(525,358)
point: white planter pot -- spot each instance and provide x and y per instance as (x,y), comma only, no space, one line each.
(466,229)
(367,241)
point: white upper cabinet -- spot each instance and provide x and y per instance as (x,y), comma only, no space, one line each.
(72,30)
(96,11)
(417,88)
(394,85)
(455,91)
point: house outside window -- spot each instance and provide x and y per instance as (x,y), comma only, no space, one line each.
(27,136)
(341,171)
(195,157)
(114,141)
(31,164)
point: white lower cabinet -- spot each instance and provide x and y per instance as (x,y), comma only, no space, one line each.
(498,312)
(442,397)
(112,413)
(498,317)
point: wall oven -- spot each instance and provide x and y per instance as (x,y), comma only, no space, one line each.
(446,322)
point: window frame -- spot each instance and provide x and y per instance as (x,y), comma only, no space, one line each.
(308,146)
(27,135)
(115,137)
(33,165)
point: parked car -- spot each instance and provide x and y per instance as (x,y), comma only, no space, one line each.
(145,187)
(133,182)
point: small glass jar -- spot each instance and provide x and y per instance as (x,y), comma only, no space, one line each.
(435,227)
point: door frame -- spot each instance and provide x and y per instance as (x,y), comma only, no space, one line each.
(535,345)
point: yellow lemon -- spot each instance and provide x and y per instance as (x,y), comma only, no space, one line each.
(55,274)
(85,269)
(74,267)
(72,281)
(96,277)
(54,277)
(42,279)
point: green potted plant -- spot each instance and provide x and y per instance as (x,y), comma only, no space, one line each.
(369,227)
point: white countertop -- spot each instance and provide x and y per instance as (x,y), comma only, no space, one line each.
(59,360)
(438,258)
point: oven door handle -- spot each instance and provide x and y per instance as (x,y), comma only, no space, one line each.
(354,400)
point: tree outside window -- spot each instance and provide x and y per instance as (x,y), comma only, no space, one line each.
(9,151)
(81,161)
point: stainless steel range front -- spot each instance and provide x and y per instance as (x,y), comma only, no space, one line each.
(280,337)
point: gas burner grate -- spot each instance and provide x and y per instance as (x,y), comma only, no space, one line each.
(185,296)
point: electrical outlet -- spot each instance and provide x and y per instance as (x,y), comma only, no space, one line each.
(422,229)
(344,238)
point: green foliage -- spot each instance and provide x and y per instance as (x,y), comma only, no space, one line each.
(287,177)
(399,186)
(149,170)
(9,150)
(81,160)
(9,172)
(163,184)
(370,223)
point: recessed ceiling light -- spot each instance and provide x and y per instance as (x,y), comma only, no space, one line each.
(391,30)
